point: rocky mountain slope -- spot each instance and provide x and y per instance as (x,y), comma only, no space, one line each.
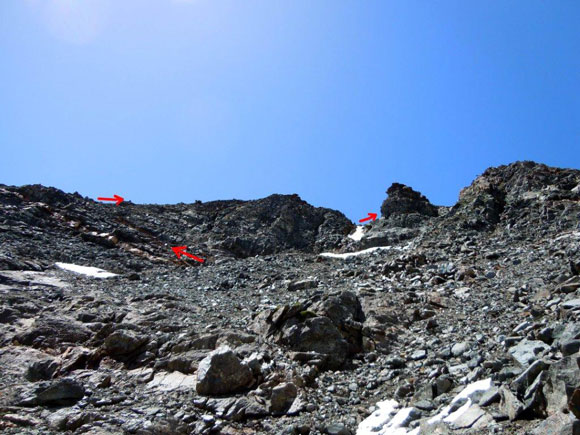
(428,320)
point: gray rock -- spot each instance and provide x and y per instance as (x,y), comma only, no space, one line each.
(490,396)
(423,393)
(395,362)
(340,308)
(418,355)
(404,200)
(570,285)
(562,379)
(51,332)
(442,385)
(337,429)
(221,372)
(303,284)
(404,390)
(510,405)
(459,349)
(424,405)
(558,424)
(42,370)
(570,347)
(574,403)
(68,419)
(282,397)
(546,335)
(63,391)
(528,351)
(523,381)
(123,342)
(572,304)
(469,417)
(318,334)
(534,400)
(245,408)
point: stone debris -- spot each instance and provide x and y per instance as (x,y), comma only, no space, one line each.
(429,320)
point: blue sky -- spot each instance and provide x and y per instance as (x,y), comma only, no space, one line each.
(165,101)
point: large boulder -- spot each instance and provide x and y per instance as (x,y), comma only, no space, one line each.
(330,326)
(222,372)
(320,335)
(345,311)
(122,342)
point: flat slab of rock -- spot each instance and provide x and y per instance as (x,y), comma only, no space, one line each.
(571,304)
(60,392)
(303,284)
(469,417)
(528,351)
(172,381)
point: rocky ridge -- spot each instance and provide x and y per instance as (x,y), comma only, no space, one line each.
(458,319)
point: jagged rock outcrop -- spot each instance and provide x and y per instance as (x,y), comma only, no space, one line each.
(404,200)
(517,196)
(404,213)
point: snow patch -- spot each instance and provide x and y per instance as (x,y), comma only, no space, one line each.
(358,233)
(363,252)
(467,393)
(383,422)
(388,419)
(85,270)
(379,418)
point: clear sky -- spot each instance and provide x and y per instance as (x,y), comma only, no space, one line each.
(165,101)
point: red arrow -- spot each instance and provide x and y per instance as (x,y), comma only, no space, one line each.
(118,199)
(372,216)
(180,250)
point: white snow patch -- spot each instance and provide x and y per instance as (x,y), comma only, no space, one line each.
(467,393)
(384,421)
(358,233)
(375,422)
(363,252)
(387,421)
(85,270)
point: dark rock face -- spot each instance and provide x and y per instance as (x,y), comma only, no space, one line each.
(140,234)
(506,195)
(278,223)
(404,200)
